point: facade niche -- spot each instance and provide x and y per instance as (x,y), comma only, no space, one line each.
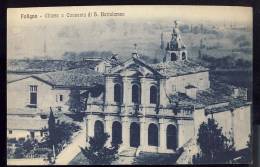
(153,95)
(118,93)
(136,93)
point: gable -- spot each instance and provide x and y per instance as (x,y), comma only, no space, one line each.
(30,80)
(134,67)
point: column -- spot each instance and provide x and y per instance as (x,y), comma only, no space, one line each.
(144,92)
(180,127)
(90,126)
(143,134)
(85,128)
(127,93)
(108,129)
(125,132)
(162,139)
(127,88)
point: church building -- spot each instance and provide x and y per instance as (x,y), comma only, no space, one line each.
(159,107)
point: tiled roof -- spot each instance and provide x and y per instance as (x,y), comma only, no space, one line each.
(14,77)
(178,68)
(26,123)
(80,77)
(206,98)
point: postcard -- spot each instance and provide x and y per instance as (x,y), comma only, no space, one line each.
(136,85)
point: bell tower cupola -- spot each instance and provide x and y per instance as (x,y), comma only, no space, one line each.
(175,49)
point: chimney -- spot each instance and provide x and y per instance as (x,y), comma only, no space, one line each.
(191,91)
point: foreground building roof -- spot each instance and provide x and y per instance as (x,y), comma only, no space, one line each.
(79,77)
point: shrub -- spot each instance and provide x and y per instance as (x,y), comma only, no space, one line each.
(12,140)
(19,152)
(214,146)
(97,153)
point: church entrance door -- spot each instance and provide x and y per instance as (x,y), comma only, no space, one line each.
(116,133)
(171,137)
(134,135)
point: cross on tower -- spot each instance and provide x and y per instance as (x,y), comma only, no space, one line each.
(135,51)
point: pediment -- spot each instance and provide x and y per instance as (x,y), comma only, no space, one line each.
(134,67)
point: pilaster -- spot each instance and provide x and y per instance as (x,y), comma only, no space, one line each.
(90,126)
(162,133)
(125,132)
(143,134)
(108,129)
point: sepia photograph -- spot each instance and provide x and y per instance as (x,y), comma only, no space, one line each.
(129,85)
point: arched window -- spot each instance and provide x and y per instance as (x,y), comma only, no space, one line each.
(153,135)
(153,95)
(98,128)
(171,137)
(173,57)
(116,133)
(135,94)
(118,93)
(183,56)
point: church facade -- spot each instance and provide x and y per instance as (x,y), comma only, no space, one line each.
(159,107)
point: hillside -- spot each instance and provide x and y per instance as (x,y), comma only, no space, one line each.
(119,37)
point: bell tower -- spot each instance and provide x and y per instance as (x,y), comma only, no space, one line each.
(175,49)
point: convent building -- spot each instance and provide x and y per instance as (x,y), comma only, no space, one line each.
(159,107)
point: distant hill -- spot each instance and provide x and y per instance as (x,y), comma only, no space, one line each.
(119,36)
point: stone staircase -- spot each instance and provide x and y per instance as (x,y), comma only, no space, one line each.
(190,149)
(128,152)
(126,156)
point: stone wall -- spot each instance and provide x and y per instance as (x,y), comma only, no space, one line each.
(235,124)
(178,84)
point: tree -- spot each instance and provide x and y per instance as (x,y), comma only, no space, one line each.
(97,153)
(74,101)
(52,140)
(52,129)
(59,134)
(214,146)
(77,103)
(19,152)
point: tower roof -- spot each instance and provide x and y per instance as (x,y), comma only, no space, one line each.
(176,42)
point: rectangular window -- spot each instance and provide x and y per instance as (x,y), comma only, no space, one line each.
(33,95)
(61,97)
(32,135)
(33,98)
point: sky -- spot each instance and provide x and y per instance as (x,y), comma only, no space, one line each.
(26,37)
